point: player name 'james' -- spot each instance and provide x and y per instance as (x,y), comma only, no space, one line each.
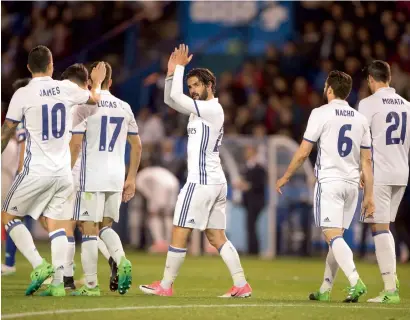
(107,104)
(49,92)
(345,113)
(392,101)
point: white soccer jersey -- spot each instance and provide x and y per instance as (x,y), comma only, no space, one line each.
(105,137)
(151,180)
(44,107)
(205,132)
(340,132)
(388,116)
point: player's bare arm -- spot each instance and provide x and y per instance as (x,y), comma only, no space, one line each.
(186,103)
(367,174)
(7,131)
(97,77)
(298,159)
(75,147)
(135,159)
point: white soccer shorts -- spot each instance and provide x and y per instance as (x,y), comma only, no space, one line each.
(387,201)
(335,203)
(94,206)
(33,196)
(201,206)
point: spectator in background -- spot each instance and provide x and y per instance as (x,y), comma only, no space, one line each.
(151,128)
(253,186)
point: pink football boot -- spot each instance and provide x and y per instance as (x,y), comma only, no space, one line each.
(156,289)
(238,292)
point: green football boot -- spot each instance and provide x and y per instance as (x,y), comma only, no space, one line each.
(387,297)
(38,276)
(85,291)
(54,291)
(355,292)
(318,296)
(124,275)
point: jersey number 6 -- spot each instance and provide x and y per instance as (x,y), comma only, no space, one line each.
(344,144)
(103,133)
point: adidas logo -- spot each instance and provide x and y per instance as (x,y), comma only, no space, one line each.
(14,208)
(191,221)
(85,213)
(326,220)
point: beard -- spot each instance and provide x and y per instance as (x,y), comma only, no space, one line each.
(202,96)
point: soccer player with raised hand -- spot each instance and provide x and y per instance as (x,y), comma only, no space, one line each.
(201,202)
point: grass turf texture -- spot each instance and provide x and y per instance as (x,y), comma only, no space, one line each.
(281,288)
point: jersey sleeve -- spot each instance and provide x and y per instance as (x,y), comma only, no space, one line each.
(314,127)
(132,124)
(16,106)
(365,109)
(367,139)
(74,94)
(80,114)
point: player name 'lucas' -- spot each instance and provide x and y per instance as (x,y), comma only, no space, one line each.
(345,113)
(49,92)
(107,104)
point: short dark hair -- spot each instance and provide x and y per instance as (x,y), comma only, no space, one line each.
(340,82)
(19,83)
(204,75)
(108,73)
(39,58)
(379,70)
(77,73)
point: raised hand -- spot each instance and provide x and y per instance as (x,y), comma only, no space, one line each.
(98,73)
(182,56)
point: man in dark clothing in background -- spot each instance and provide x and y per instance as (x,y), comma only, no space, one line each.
(252,185)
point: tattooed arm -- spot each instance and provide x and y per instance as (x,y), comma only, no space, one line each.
(7,131)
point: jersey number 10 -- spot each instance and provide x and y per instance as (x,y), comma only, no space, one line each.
(393,127)
(55,131)
(103,133)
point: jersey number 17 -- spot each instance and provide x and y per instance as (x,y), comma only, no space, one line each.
(103,133)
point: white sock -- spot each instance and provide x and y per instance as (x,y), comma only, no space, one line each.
(344,257)
(155,227)
(103,248)
(232,261)
(59,246)
(175,258)
(169,224)
(393,245)
(24,241)
(330,272)
(89,259)
(113,243)
(385,258)
(69,264)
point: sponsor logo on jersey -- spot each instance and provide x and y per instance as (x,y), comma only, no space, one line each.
(326,220)
(192,221)
(191,130)
(14,208)
(85,213)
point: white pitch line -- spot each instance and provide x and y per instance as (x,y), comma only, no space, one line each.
(271,305)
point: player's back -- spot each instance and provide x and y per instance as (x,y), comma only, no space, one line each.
(44,107)
(157,175)
(342,132)
(102,166)
(204,139)
(388,115)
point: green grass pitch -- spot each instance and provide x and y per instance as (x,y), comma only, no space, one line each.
(280,291)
